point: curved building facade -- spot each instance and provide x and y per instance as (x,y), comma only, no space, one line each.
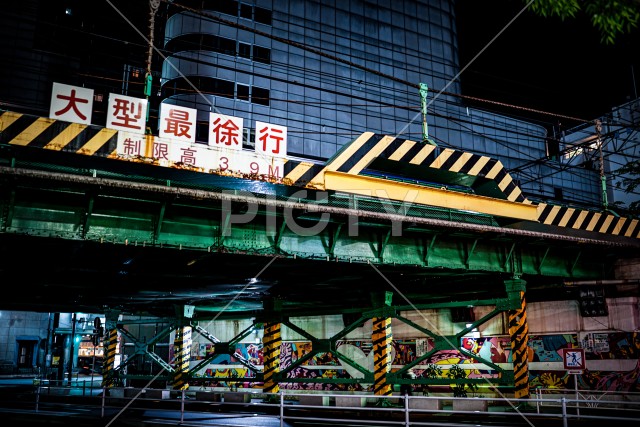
(331,70)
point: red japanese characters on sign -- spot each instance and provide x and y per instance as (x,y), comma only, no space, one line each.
(175,144)
(71,103)
(131,145)
(225,131)
(271,139)
(177,123)
(161,150)
(126,113)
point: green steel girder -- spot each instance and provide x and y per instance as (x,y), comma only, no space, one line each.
(221,347)
(131,213)
(206,226)
(452,342)
(143,348)
(324,346)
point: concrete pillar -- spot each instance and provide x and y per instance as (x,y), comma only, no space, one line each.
(271,342)
(519,333)
(182,354)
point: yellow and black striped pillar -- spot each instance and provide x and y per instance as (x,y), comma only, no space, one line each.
(381,337)
(271,342)
(110,345)
(182,354)
(519,332)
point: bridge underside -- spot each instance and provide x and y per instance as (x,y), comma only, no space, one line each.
(89,234)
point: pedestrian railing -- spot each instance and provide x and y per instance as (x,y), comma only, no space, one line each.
(558,407)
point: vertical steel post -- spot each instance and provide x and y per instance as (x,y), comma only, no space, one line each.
(603,178)
(148,80)
(109,344)
(382,343)
(381,337)
(182,406)
(71,347)
(575,382)
(423,102)
(406,410)
(519,333)
(182,354)
(271,342)
(281,409)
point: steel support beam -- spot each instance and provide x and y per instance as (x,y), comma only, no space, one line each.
(182,354)
(110,343)
(519,333)
(271,342)
(382,344)
(418,194)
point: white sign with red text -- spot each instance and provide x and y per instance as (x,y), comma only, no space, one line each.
(126,113)
(71,104)
(225,131)
(271,139)
(223,160)
(177,123)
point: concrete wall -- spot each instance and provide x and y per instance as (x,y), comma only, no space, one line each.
(16,325)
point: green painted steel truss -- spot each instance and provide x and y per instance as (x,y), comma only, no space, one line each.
(306,225)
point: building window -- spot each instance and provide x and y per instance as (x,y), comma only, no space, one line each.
(244,50)
(206,85)
(242,92)
(262,54)
(262,15)
(191,42)
(245,11)
(557,193)
(202,42)
(260,96)
(202,131)
(216,87)
(229,7)
(248,138)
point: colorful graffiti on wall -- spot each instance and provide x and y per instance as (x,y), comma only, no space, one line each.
(542,348)
(616,345)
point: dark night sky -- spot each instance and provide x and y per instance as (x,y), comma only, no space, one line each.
(544,63)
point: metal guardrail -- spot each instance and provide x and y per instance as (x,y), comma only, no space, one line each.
(338,409)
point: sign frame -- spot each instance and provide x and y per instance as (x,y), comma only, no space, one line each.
(573,359)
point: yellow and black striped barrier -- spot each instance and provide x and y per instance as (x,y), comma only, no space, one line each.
(271,342)
(50,134)
(578,219)
(382,338)
(182,354)
(494,190)
(519,332)
(108,364)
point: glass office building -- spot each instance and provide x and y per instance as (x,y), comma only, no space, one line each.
(330,70)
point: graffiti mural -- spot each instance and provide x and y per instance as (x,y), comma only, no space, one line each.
(494,349)
(542,348)
(616,345)
(548,348)
(613,381)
